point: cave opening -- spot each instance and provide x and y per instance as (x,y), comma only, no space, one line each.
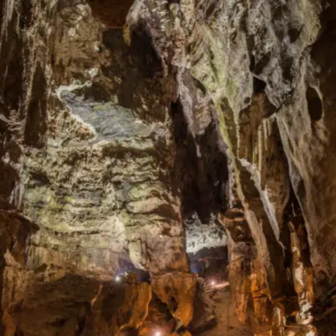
(201,175)
(202,179)
(210,264)
(259,85)
(315,107)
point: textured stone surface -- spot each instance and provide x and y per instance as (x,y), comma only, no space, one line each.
(227,321)
(92,172)
(133,132)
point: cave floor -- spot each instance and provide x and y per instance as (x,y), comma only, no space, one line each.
(227,320)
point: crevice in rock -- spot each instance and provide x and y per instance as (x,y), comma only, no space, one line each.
(199,164)
(258,85)
(36,123)
(26,16)
(299,285)
(315,106)
(139,77)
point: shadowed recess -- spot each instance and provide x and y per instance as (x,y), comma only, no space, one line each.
(315,107)
(112,13)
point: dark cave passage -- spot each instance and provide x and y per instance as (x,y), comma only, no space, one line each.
(210,264)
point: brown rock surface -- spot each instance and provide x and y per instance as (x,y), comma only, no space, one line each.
(135,132)
(112,13)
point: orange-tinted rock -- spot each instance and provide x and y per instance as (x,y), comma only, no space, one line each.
(119,308)
(111,12)
(177,291)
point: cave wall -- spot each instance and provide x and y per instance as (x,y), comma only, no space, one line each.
(131,130)
(87,155)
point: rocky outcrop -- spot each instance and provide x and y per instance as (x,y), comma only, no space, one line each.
(92,172)
(136,132)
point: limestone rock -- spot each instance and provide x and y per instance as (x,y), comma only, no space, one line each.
(135,132)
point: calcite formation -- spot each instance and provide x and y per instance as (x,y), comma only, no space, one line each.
(140,140)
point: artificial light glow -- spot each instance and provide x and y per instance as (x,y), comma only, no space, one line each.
(213,283)
(158,333)
(118,278)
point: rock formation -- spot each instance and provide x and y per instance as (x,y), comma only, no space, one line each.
(150,151)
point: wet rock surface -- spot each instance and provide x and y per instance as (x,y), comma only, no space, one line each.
(149,147)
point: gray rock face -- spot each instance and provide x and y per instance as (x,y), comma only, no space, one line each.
(92,174)
(200,236)
(109,121)
(132,133)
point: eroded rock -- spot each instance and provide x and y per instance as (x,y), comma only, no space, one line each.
(133,132)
